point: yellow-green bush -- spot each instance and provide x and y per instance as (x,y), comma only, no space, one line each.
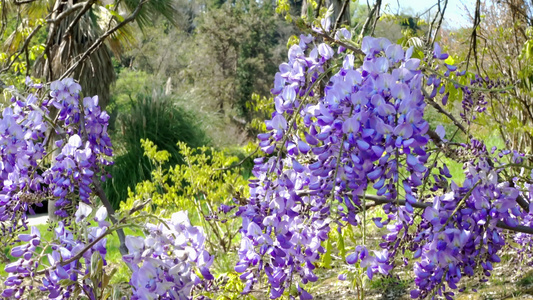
(207,179)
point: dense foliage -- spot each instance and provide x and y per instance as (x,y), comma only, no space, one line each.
(158,118)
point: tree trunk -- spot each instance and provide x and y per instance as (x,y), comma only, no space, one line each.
(95,74)
(340,6)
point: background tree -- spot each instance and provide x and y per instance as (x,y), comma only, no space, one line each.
(500,46)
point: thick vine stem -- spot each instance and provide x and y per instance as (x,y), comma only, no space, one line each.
(101,193)
(379,200)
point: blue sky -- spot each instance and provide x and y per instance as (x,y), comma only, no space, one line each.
(455,15)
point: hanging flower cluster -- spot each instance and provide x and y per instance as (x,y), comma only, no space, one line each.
(69,260)
(170,261)
(332,137)
(27,129)
(167,264)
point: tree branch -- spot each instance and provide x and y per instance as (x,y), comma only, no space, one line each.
(422,205)
(102,38)
(108,231)
(67,12)
(473,37)
(110,212)
(370,17)
(380,200)
(524,204)
(20,2)
(441,13)
(339,17)
(441,110)
(328,38)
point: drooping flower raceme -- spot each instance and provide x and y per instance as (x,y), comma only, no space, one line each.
(367,125)
(170,261)
(27,130)
(335,136)
(173,260)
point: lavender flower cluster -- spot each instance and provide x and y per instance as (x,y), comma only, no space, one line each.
(458,232)
(331,138)
(170,261)
(88,149)
(66,265)
(26,131)
(166,264)
(365,128)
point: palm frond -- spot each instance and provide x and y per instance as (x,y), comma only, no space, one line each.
(121,39)
(38,9)
(151,10)
(94,74)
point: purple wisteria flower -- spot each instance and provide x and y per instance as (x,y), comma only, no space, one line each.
(334,137)
(170,261)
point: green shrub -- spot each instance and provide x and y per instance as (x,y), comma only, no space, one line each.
(207,179)
(155,117)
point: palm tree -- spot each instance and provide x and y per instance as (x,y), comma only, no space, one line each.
(73,35)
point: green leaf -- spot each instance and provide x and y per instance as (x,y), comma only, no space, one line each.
(326,258)
(66,282)
(116,293)
(96,264)
(340,245)
(330,11)
(310,14)
(108,277)
(450,60)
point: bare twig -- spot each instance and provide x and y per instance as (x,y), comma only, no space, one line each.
(339,17)
(110,212)
(370,17)
(441,13)
(376,17)
(67,12)
(473,37)
(20,2)
(108,231)
(317,12)
(524,204)
(52,30)
(329,38)
(441,110)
